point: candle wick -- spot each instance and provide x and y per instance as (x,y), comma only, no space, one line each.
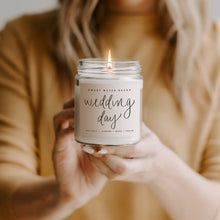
(109,66)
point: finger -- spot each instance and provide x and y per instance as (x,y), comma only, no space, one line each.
(128,169)
(62,118)
(66,133)
(102,167)
(99,151)
(122,151)
(88,149)
(94,149)
(67,123)
(140,150)
(69,104)
(118,165)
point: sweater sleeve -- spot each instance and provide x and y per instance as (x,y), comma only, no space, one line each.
(210,167)
(18,147)
(211,158)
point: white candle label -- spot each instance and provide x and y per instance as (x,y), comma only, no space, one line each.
(111,109)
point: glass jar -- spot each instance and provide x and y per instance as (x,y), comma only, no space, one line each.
(108,102)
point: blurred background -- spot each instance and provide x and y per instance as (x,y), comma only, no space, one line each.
(13,8)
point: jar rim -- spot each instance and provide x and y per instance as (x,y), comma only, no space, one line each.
(103,61)
(100,66)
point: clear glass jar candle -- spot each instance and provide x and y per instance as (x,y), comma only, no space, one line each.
(108,102)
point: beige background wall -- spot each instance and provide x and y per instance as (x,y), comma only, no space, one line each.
(214,8)
(13,8)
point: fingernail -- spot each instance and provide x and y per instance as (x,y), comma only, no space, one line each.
(88,149)
(103,151)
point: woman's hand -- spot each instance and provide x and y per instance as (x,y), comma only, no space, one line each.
(138,163)
(78,179)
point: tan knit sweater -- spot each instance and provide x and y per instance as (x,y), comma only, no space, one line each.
(31,92)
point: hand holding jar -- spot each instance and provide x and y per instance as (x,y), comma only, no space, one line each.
(77,179)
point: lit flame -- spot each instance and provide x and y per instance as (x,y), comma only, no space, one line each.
(109,65)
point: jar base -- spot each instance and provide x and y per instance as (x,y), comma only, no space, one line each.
(108,144)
